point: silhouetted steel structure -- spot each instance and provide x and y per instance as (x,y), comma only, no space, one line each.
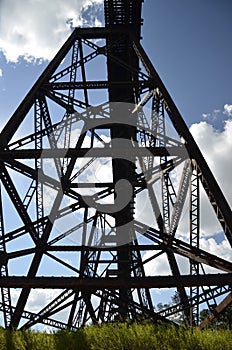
(85,110)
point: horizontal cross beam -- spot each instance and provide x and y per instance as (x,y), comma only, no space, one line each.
(97,85)
(115,282)
(114,152)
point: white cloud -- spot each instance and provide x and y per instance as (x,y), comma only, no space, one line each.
(222,249)
(227,110)
(218,113)
(36,29)
(157,267)
(213,116)
(216,147)
(38,298)
(0,72)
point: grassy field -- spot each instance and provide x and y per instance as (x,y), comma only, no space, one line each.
(119,336)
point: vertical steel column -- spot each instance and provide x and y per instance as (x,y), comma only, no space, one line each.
(169,198)
(38,122)
(158,122)
(71,94)
(5,292)
(118,15)
(194,240)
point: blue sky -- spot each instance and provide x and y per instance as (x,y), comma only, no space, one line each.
(189,44)
(187,41)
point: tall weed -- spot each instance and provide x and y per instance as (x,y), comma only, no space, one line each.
(119,336)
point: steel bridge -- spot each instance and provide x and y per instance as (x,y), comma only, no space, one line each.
(101,191)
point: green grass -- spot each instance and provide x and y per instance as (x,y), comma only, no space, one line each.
(119,336)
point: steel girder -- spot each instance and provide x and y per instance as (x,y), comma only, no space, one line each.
(114,283)
(98,104)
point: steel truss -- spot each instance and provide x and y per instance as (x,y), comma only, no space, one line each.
(60,226)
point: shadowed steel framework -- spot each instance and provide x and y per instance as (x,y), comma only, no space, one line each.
(103,192)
